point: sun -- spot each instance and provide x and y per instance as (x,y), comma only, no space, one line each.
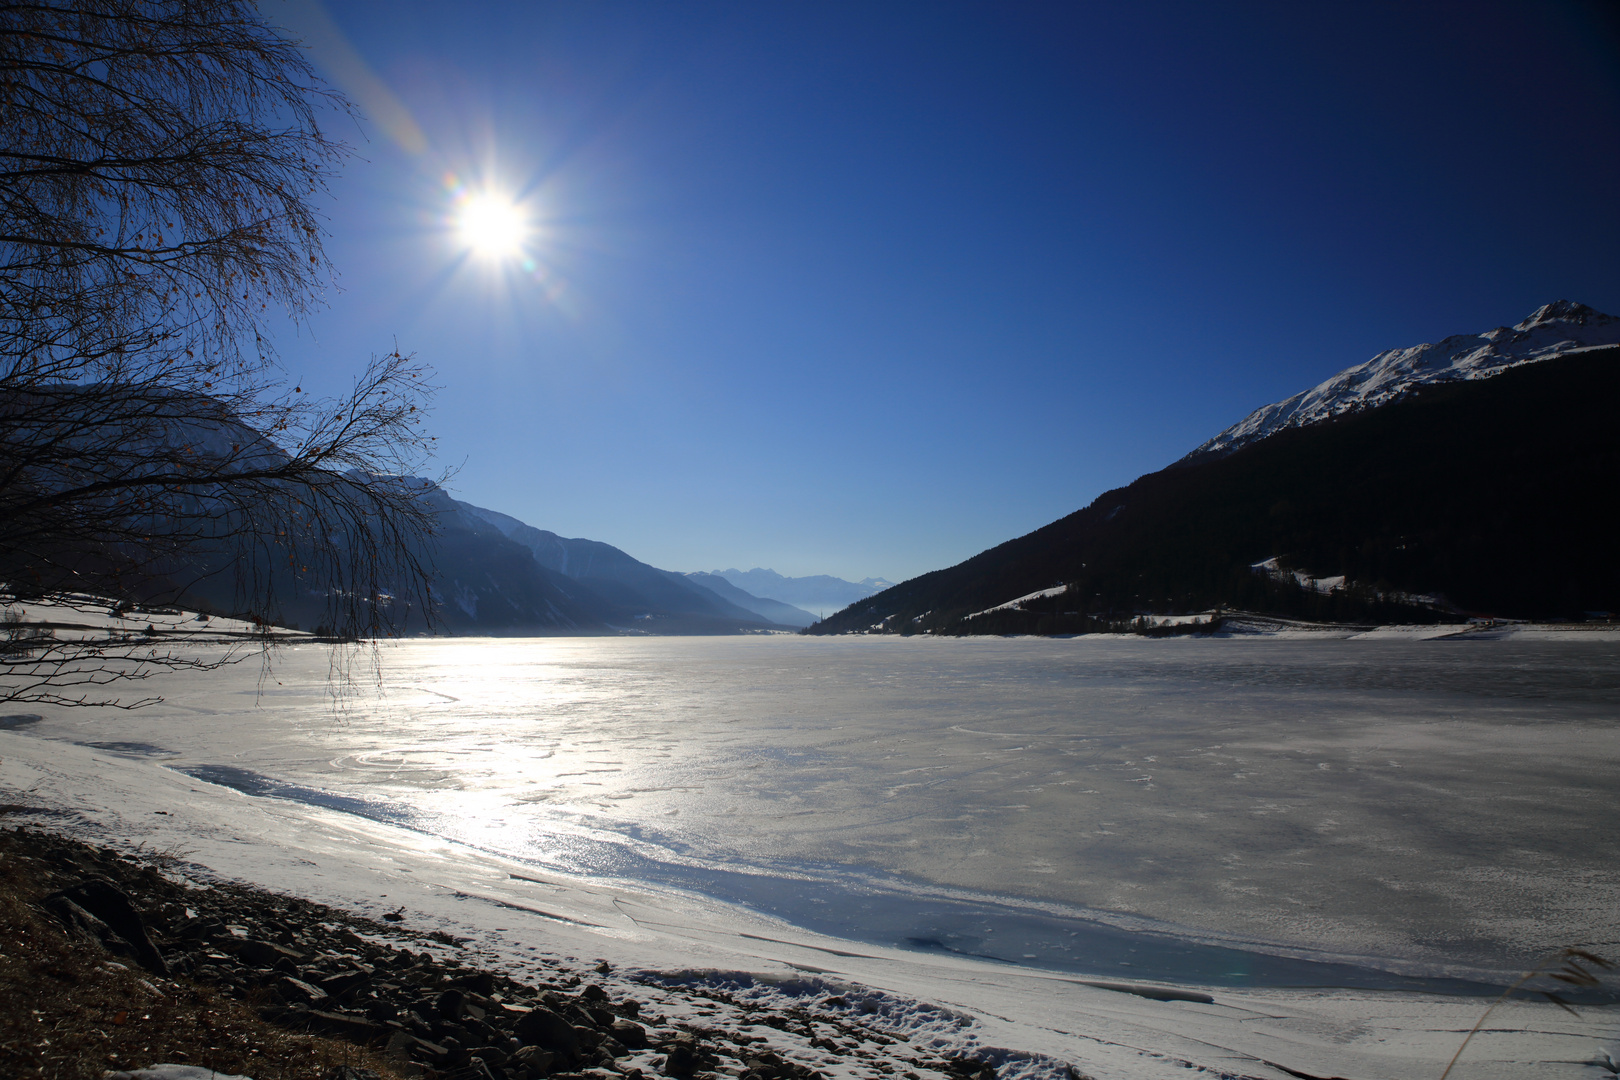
(491,225)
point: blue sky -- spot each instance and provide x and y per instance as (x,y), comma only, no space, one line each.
(865,288)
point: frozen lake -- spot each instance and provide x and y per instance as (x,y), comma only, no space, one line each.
(1213,811)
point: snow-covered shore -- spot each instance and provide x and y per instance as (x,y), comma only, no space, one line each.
(1031,1023)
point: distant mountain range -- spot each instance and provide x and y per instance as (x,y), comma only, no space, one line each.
(496,575)
(773,610)
(817,593)
(493,574)
(586,586)
(1474,476)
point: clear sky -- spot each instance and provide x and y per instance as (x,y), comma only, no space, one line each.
(864,288)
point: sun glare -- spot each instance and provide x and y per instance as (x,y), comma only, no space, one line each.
(492,225)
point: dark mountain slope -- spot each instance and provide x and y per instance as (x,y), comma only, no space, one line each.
(482,584)
(1496,496)
(770,610)
(486,583)
(631,593)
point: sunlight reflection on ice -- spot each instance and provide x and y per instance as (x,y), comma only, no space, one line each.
(1180,781)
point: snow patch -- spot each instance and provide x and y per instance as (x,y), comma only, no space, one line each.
(1040,594)
(1273,569)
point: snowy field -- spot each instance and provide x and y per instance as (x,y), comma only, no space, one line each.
(1335,841)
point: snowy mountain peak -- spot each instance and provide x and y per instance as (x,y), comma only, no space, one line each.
(1552,330)
(1565,311)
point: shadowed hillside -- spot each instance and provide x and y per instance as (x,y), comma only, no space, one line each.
(1492,497)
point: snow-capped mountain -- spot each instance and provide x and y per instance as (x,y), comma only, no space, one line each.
(1554,329)
(1467,495)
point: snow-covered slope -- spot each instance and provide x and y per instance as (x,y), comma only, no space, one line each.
(1554,329)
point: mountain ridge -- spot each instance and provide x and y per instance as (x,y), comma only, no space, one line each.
(1552,330)
(773,610)
(1484,496)
(816,591)
(640,596)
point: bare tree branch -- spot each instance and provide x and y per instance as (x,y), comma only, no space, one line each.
(160,163)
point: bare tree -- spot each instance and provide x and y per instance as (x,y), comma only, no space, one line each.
(160,166)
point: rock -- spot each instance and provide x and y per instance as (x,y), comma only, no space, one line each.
(431,1050)
(481,983)
(576,1015)
(202,928)
(593,993)
(475,1068)
(538,1061)
(681,1062)
(266,954)
(485,1033)
(630,1034)
(172,1072)
(452,1005)
(543,1028)
(344,981)
(382,1011)
(440,1053)
(112,906)
(293,989)
(600,1017)
(493,1056)
(86,927)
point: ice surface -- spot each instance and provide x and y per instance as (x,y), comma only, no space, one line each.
(880,814)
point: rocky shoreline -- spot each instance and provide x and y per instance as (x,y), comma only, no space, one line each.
(418,1003)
